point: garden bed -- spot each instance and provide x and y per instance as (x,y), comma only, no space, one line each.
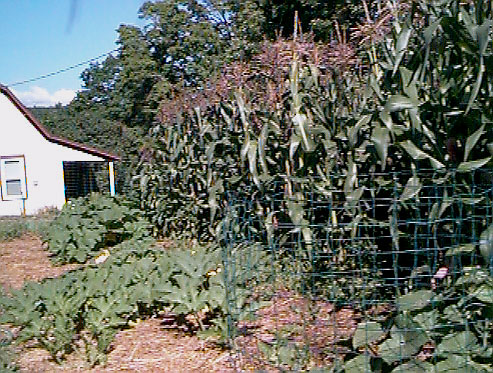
(150,346)
(147,347)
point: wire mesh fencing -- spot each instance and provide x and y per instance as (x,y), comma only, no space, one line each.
(392,274)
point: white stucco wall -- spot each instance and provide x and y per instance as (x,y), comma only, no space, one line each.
(44,161)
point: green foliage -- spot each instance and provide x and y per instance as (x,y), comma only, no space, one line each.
(455,323)
(7,364)
(88,224)
(93,303)
(89,123)
(6,361)
(11,228)
(349,172)
(182,45)
(332,136)
(332,132)
(315,16)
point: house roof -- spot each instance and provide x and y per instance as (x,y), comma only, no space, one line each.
(49,136)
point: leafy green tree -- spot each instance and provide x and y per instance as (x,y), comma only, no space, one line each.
(314,15)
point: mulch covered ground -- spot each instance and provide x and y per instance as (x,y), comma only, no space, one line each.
(290,319)
(25,259)
(148,347)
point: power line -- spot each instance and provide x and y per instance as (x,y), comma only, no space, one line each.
(61,70)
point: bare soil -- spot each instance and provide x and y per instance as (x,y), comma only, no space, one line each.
(25,259)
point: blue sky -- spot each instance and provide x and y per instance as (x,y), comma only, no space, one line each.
(38,37)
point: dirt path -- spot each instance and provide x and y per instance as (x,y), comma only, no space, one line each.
(25,259)
(148,347)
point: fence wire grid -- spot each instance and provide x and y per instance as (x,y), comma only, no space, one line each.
(392,275)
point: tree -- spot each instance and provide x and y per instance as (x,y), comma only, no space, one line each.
(314,15)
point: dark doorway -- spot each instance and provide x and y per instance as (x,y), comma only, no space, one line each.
(80,178)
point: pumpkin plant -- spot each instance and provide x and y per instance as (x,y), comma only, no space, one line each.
(432,331)
(88,224)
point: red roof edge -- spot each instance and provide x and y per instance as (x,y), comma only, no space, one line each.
(50,137)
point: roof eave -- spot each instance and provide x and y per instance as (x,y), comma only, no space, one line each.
(52,138)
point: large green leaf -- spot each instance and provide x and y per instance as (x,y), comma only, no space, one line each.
(351,177)
(477,85)
(428,321)
(461,364)
(381,139)
(472,165)
(419,154)
(401,46)
(414,366)
(409,84)
(471,141)
(484,293)
(486,243)
(415,300)
(483,35)
(294,143)
(406,340)
(386,119)
(252,162)
(301,124)
(399,348)
(399,103)
(412,188)
(366,333)
(462,343)
(353,131)
(429,32)
(360,364)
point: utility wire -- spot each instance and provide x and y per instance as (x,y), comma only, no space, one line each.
(61,70)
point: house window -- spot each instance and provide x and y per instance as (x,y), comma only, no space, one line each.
(13,178)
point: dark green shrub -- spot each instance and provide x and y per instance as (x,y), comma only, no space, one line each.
(455,323)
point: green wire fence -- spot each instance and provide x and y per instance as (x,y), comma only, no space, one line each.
(394,274)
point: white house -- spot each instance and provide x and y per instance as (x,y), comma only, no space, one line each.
(38,169)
